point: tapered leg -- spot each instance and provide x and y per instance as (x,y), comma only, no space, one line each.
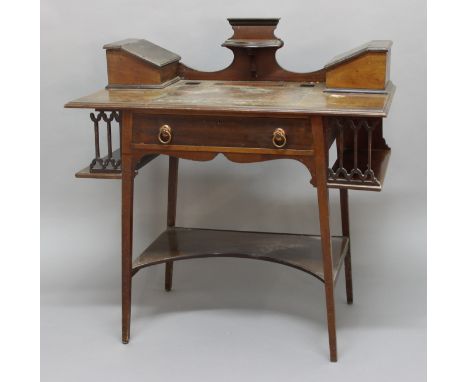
(321,162)
(127,240)
(327,268)
(171,211)
(345,230)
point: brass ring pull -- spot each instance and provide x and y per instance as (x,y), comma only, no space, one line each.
(165,134)
(279,138)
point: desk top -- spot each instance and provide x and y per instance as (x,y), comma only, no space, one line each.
(241,96)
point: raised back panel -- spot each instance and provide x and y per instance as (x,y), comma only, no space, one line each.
(254,46)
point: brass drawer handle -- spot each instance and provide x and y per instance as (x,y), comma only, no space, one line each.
(279,138)
(165,134)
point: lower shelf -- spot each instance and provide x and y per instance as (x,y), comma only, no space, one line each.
(298,251)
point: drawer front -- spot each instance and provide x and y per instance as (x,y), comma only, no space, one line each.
(250,132)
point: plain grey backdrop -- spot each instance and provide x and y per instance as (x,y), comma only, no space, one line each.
(228,319)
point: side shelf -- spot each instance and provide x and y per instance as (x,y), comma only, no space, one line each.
(116,173)
(362,154)
(108,166)
(369,179)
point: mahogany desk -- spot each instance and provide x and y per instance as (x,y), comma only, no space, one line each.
(252,111)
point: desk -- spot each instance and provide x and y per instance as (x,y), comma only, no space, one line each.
(251,111)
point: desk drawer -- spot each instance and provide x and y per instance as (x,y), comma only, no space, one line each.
(250,132)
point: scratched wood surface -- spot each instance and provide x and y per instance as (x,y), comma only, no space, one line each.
(215,96)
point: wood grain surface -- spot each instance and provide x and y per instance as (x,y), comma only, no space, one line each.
(216,97)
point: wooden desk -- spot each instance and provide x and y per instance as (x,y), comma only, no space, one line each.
(248,116)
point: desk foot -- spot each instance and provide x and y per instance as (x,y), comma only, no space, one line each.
(168,279)
(125,341)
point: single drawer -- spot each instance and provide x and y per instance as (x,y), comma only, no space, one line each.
(239,132)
